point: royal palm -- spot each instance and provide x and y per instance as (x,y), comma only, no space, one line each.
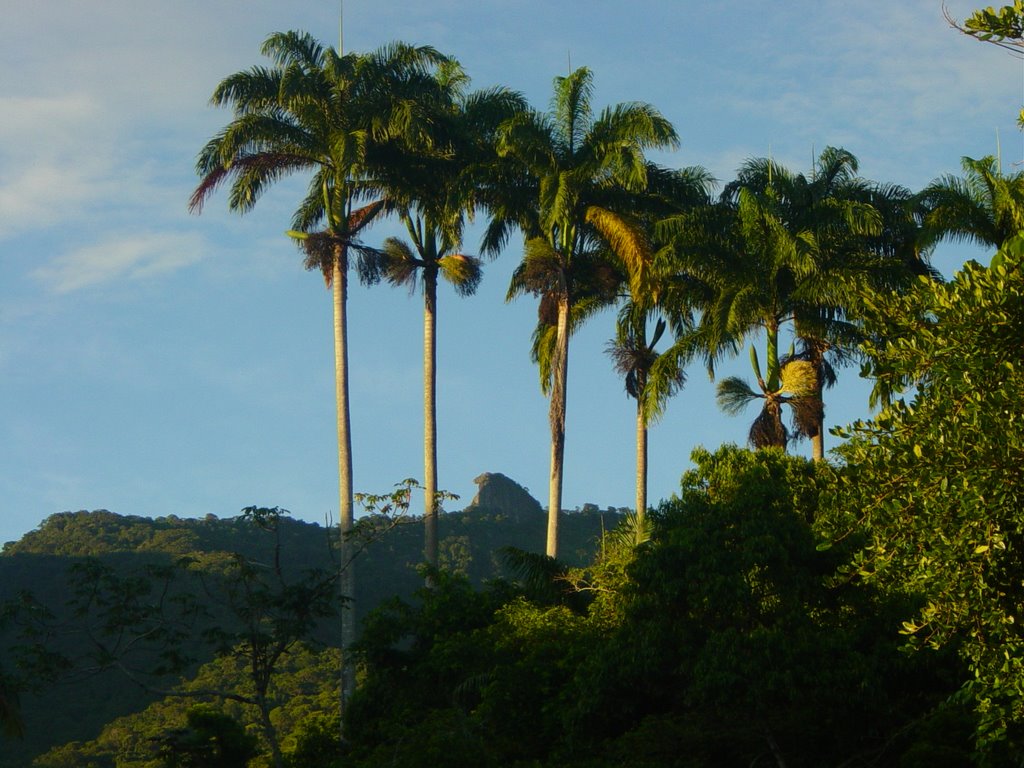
(435,186)
(316,111)
(585,171)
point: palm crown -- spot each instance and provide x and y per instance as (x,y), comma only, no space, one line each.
(783,248)
(985,206)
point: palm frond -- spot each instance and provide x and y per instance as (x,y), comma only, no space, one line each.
(629,244)
(370,262)
(542,352)
(463,272)
(540,272)
(294,47)
(570,107)
(401,266)
(666,377)
(632,531)
(542,577)
(733,395)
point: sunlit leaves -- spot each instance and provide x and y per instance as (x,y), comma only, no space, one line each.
(938,475)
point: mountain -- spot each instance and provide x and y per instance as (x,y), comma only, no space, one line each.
(48,563)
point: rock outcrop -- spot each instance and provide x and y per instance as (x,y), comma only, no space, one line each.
(497,493)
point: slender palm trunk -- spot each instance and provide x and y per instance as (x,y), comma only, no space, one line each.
(430,419)
(641,465)
(346,516)
(818,442)
(556,416)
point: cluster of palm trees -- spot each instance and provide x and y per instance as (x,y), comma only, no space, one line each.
(396,132)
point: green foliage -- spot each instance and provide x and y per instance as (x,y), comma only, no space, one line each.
(937,477)
(991,25)
(729,623)
(1003,27)
(304,689)
(721,640)
(76,708)
(315,743)
(210,739)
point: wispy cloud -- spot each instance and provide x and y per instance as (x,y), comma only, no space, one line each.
(48,169)
(130,258)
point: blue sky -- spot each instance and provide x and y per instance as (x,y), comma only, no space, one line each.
(154,363)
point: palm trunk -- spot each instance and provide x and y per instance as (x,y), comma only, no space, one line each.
(641,465)
(818,440)
(346,517)
(556,416)
(430,420)
(818,443)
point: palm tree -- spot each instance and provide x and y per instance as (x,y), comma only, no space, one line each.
(985,207)
(318,111)
(779,248)
(747,266)
(635,358)
(435,189)
(867,237)
(585,171)
(434,255)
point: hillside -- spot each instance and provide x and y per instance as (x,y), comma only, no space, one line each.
(47,562)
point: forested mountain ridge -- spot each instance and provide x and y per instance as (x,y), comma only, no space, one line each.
(100,532)
(52,561)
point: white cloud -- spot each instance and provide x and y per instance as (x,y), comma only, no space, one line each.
(48,168)
(135,257)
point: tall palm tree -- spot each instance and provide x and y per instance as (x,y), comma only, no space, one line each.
(984,207)
(585,171)
(635,357)
(435,189)
(317,111)
(432,254)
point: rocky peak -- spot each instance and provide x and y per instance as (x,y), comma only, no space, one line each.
(498,493)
